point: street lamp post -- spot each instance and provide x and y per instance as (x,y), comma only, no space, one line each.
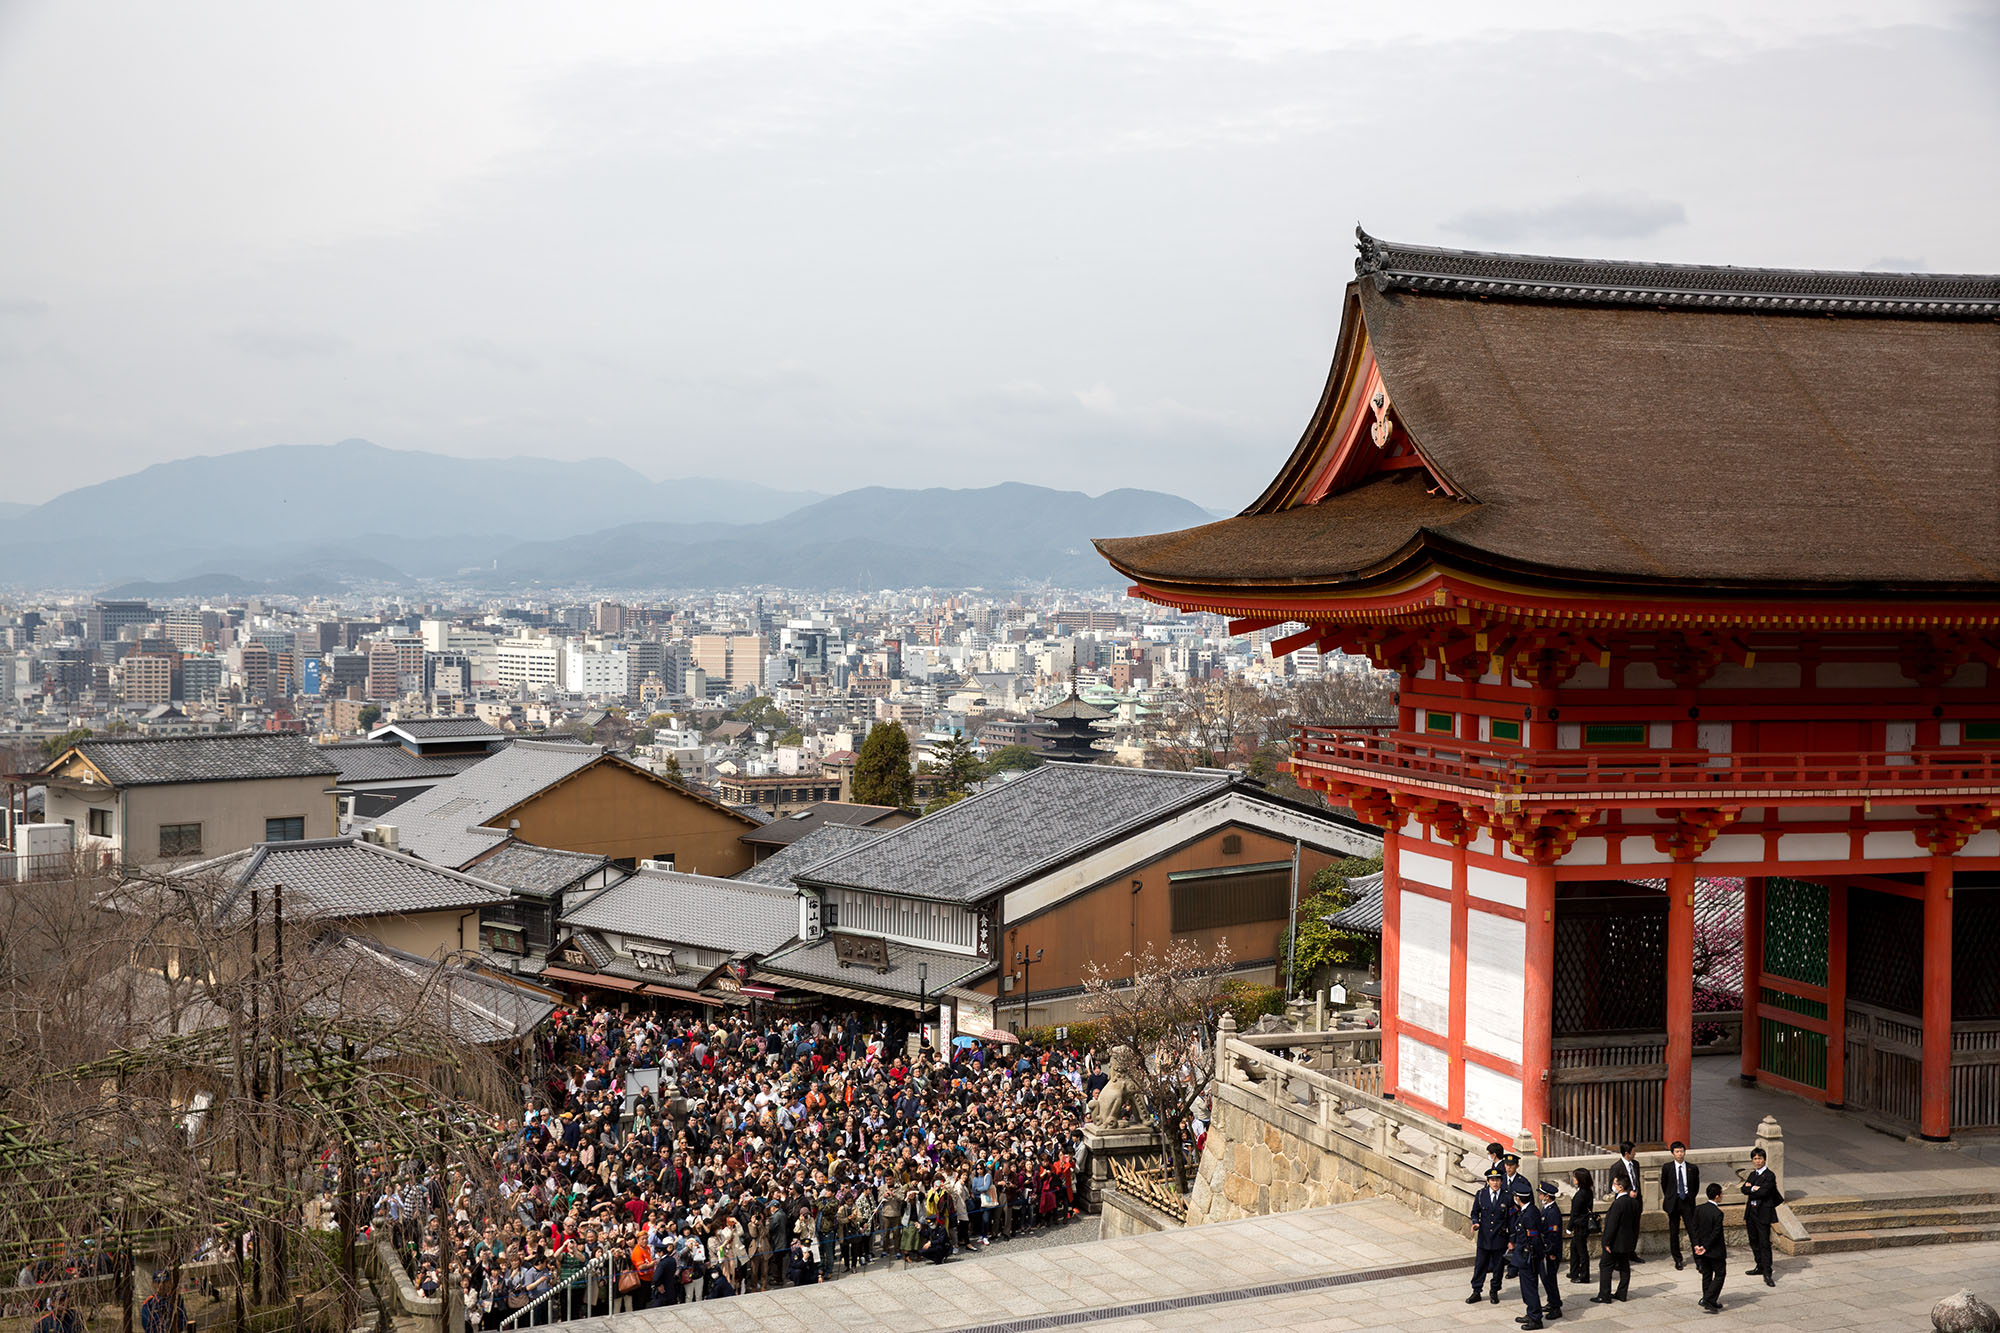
(1023,961)
(923,994)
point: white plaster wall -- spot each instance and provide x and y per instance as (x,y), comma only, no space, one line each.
(1896,843)
(1860,676)
(1423,964)
(1735,847)
(1645,676)
(1496,886)
(1432,870)
(1492,1099)
(1587,852)
(1423,1070)
(1813,846)
(1495,948)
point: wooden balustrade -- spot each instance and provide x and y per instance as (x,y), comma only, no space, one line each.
(1485,769)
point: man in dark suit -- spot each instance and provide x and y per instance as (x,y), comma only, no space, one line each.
(1680,1191)
(1621,1237)
(1552,1251)
(1761,1198)
(1524,1257)
(1492,1231)
(1711,1253)
(1627,1165)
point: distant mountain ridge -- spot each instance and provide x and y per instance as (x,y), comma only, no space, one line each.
(313,519)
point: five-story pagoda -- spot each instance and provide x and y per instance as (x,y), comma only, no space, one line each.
(1688,572)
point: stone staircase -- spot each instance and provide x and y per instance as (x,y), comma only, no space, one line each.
(1842,1223)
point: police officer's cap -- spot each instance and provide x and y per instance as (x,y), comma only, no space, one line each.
(1549,1188)
(1496,1174)
(1511,1159)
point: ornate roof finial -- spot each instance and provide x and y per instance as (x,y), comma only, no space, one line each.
(1369,258)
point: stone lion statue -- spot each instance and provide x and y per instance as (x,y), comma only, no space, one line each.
(1117,1103)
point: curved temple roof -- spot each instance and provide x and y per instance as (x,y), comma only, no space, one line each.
(1631,426)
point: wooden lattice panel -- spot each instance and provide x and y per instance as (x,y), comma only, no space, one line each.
(1795,930)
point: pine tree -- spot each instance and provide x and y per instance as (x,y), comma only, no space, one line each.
(882,770)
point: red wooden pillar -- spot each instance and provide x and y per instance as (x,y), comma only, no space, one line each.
(1455,1038)
(1678,1112)
(1753,973)
(1836,995)
(1392,936)
(1538,1015)
(1934,1112)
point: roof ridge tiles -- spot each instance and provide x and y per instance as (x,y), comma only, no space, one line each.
(1439,270)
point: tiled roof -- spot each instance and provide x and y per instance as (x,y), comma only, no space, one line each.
(386,761)
(444,842)
(540,871)
(815,959)
(231,756)
(1364,914)
(498,783)
(484,1009)
(789,828)
(664,905)
(1012,832)
(782,867)
(441,728)
(347,877)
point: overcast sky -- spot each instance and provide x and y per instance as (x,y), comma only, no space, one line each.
(824,245)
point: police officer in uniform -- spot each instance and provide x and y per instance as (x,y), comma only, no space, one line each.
(1524,1257)
(1517,1184)
(1492,1210)
(1552,1251)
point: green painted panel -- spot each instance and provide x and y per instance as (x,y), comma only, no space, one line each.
(1792,1053)
(1797,1004)
(1795,930)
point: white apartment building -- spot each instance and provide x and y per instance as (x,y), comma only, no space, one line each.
(593,672)
(525,663)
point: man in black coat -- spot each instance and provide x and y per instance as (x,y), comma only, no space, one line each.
(1761,1198)
(1680,1191)
(1491,1233)
(1621,1237)
(1711,1251)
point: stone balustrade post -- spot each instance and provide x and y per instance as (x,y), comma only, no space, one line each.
(1531,1158)
(1771,1138)
(1225,1061)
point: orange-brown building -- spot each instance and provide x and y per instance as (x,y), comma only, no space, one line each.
(579,798)
(995,907)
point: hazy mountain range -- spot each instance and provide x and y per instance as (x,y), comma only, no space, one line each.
(313,519)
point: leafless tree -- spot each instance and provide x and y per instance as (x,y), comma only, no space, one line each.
(1162,1006)
(217,1049)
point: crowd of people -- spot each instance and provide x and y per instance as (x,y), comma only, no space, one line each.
(761,1154)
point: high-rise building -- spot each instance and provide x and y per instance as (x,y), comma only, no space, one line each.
(746,661)
(710,652)
(256,671)
(385,670)
(105,619)
(609,617)
(201,677)
(147,679)
(527,663)
(192,630)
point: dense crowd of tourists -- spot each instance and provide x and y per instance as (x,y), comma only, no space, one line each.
(767,1154)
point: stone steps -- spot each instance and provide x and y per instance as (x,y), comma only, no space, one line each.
(1815,1206)
(1840,1224)
(1837,1242)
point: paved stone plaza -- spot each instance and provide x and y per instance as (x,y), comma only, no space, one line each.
(1352,1266)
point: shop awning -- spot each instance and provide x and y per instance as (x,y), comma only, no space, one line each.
(760,992)
(676,993)
(591,979)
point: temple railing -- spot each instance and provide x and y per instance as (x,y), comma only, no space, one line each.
(1485,771)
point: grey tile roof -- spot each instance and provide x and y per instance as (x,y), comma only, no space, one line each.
(540,871)
(1364,914)
(231,756)
(499,782)
(673,908)
(444,842)
(1014,831)
(782,867)
(484,1009)
(347,877)
(440,728)
(815,959)
(789,828)
(386,761)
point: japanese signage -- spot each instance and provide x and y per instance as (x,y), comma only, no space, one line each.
(853,951)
